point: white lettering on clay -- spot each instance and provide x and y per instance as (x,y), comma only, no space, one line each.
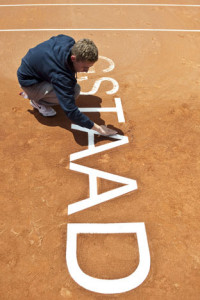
(111,286)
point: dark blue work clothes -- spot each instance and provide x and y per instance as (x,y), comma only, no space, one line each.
(51,61)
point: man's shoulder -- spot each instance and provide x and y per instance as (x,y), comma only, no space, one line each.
(63,38)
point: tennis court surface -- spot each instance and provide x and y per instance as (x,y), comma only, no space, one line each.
(146,83)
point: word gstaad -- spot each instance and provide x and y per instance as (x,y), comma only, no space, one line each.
(111,286)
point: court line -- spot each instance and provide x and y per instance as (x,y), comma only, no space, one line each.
(100,29)
(100,4)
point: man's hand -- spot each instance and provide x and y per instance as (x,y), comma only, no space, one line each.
(104,130)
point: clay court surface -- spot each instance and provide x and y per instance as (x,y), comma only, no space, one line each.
(159,85)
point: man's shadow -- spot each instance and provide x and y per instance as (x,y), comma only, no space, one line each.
(62,121)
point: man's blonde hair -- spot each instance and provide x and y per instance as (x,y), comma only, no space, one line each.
(85,50)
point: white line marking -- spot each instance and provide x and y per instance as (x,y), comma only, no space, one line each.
(119,109)
(101,29)
(100,4)
(97,109)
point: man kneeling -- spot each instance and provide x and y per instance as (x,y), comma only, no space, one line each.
(47,76)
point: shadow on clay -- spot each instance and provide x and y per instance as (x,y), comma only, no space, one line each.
(62,121)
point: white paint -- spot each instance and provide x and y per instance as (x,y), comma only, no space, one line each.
(92,69)
(110,286)
(118,109)
(92,149)
(94,198)
(111,64)
(98,83)
(138,276)
(99,4)
(82,78)
(100,29)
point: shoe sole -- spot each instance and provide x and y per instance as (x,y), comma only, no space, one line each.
(34,106)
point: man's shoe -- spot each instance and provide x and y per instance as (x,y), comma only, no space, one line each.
(46,111)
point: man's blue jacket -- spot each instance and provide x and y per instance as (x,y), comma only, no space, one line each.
(50,61)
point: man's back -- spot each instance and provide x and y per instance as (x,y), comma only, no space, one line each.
(45,61)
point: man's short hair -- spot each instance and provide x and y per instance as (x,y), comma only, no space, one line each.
(85,50)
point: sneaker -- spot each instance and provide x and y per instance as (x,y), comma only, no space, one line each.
(46,111)
(24,95)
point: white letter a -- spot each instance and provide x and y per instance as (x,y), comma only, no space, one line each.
(94,199)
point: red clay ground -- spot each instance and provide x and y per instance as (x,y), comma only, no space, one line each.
(159,79)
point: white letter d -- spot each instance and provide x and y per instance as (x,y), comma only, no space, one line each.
(111,286)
